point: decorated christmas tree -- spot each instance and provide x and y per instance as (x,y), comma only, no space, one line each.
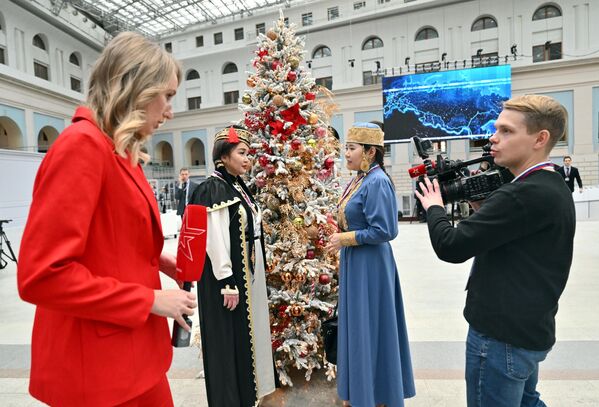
(295,178)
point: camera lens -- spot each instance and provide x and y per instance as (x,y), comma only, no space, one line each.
(452,191)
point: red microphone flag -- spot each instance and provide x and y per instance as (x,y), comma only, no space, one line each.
(419,170)
(191,251)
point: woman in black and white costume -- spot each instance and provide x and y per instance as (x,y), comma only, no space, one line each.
(233,304)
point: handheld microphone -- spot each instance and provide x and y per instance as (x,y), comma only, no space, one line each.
(191,254)
(419,170)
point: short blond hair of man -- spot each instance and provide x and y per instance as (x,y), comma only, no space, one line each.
(130,72)
(541,113)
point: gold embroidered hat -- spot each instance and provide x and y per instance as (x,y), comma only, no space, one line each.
(234,135)
(366,133)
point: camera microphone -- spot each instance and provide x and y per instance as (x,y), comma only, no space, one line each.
(419,170)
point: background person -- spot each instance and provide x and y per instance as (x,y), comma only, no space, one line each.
(373,353)
(521,239)
(91,250)
(570,173)
(181,191)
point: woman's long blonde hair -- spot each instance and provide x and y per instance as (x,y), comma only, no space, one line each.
(129,74)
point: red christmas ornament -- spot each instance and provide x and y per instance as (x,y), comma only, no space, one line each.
(267,149)
(282,310)
(292,76)
(283,137)
(321,132)
(263,161)
(260,182)
(324,279)
(310,96)
(276,64)
(270,169)
(276,344)
(252,151)
(296,144)
(323,174)
(321,242)
(310,254)
(329,162)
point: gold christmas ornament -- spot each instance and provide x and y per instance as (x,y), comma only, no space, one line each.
(271,34)
(294,62)
(250,82)
(313,119)
(298,221)
(272,203)
(297,310)
(312,232)
(247,99)
(287,277)
(311,142)
(278,100)
(300,278)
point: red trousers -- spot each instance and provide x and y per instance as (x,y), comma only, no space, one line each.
(157,396)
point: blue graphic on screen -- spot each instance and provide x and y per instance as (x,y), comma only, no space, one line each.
(448,104)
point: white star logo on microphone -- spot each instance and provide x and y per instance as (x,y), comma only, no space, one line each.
(188,233)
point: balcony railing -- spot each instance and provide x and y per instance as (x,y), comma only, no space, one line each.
(157,171)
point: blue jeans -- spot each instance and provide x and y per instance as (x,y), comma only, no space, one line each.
(501,375)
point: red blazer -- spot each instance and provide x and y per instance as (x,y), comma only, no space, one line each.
(89,261)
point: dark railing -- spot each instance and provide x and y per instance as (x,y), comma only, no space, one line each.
(157,171)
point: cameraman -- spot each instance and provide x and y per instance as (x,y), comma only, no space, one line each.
(522,238)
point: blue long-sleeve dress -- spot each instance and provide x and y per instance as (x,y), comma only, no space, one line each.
(373,355)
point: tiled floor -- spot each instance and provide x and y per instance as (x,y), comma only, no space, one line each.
(433,294)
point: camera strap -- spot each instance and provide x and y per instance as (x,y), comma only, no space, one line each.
(545,165)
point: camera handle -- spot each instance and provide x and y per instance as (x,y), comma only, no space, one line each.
(487,158)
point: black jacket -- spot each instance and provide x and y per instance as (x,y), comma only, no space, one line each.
(522,238)
(574,174)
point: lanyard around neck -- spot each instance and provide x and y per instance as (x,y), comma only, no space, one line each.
(537,167)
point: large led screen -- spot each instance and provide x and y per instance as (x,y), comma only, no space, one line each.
(447,104)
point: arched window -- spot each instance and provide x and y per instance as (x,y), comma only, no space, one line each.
(191,75)
(371,43)
(546,12)
(321,52)
(38,41)
(427,34)
(45,138)
(484,23)
(74,59)
(230,68)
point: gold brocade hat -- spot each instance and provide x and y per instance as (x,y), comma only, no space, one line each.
(234,135)
(366,133)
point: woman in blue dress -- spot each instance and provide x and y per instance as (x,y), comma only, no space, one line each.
(373,354)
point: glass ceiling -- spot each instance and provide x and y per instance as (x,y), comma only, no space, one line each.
(156,18)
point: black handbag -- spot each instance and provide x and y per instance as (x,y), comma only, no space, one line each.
(329,336)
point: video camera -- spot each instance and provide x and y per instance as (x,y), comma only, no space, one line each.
(455,186)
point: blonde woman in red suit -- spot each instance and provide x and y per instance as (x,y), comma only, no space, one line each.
(92,247)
